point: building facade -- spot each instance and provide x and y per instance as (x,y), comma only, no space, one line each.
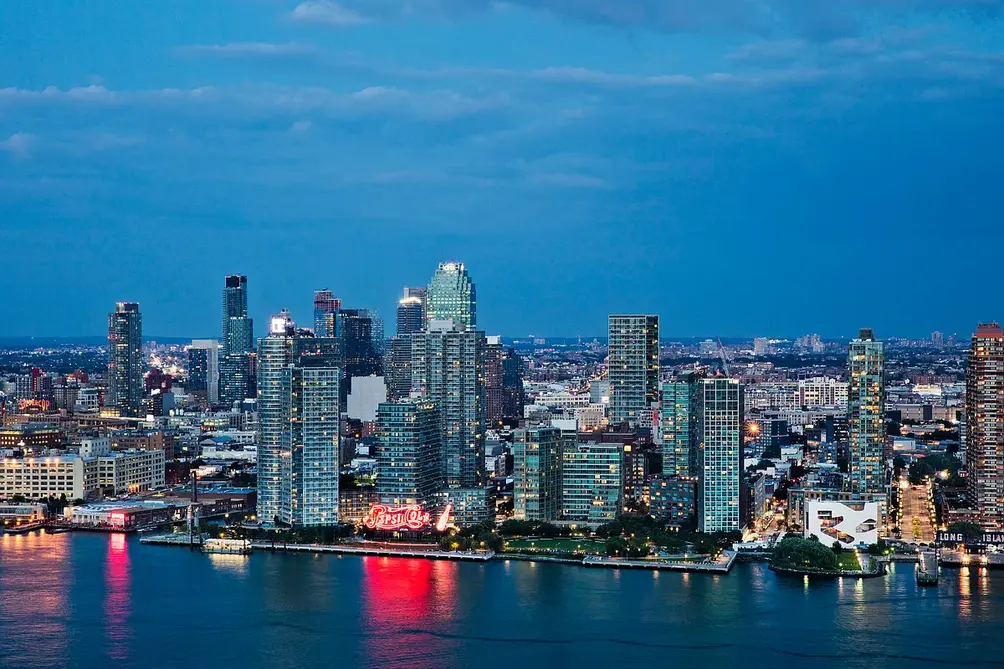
(985,425)
(592,483)
(720,430)
(409,452)
(677,427)
(125,359)
(204,369)
(632,367)
(236,359)
(537,473)
(326,308)
(448,368)
(866,414)
(313,385)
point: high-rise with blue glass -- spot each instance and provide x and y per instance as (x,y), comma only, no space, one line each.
(451,296)
(719,408)
(236,370)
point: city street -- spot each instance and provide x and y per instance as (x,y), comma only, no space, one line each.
(916,525)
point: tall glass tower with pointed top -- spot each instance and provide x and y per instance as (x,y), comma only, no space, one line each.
(451,296)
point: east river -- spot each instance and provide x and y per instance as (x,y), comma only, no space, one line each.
(94,600)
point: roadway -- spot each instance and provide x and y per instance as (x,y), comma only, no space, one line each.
(917,525)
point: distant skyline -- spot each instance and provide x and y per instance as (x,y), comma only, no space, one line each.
(748,169)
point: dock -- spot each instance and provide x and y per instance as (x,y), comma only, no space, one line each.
(720,565)
(927,568)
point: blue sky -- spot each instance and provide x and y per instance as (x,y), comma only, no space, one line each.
(742,168)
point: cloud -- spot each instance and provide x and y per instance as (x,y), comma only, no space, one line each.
(300,127)
(233,102)
(816,20)
(249,50)
(18,145)
(567,180)
(328,13)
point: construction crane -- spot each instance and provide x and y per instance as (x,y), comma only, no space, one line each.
(725,358)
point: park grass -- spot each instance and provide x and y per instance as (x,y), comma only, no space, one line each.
(848,561)
(560,545)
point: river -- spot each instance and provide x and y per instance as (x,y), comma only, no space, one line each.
(96,600)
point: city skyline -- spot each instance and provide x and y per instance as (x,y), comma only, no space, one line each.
(630,150)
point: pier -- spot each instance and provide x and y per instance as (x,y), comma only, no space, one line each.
(927,568)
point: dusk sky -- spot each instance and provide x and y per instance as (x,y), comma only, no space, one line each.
(740,168)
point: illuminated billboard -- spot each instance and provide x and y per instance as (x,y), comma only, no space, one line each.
(405,517)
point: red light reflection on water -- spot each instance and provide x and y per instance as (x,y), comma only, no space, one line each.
(117,605)
(34,581)
(408,603)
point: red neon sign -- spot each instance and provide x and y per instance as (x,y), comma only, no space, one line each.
(444,519)
(410,517)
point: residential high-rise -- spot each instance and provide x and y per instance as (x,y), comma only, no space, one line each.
(451,296)
(592,483)
(513,394)
(408,451)
(494,377)
(326,307)
(985,424)
(632,367)
(204,369)
(448,367)
(299,417)
(719,408)
(125,359)
(312,385)
(398,367)
(536,453)
(677,426)
(275,356)
(866,414)
(355,331)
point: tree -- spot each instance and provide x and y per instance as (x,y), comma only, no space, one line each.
(837,548)
(966,529)
(794,553)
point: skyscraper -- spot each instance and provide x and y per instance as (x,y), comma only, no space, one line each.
(866,414)
(719,408)
(677,418)
(411,311)
(299,417)
(985,424)
(125,359)
(204,369)
(312,385)
(408,451)
(513,394)
(275,355)
(235,305)
(355,332)
(448,367)
(236,373)
(633,367)
(451,296)
(536,453)
(494,378)
(326,307)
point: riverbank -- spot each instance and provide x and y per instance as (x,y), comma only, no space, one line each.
(721,564)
